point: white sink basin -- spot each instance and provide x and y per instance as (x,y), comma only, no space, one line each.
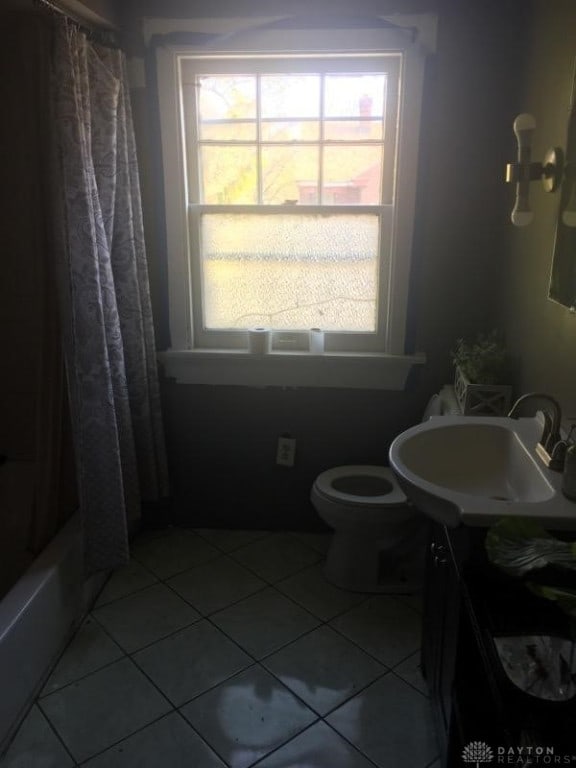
(474,470)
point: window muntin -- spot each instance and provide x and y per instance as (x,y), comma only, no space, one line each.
(315,135)
(281,138)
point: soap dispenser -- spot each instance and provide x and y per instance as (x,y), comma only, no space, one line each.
(569,477)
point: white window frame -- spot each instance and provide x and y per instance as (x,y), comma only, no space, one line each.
(384,365)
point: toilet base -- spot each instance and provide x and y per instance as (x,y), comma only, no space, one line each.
(358,564)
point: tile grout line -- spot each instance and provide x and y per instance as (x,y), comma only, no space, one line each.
(265,534)
(124,738)
(174,711)
(52,728)
(364,755)
(369,653)
(254,661)
(257,662)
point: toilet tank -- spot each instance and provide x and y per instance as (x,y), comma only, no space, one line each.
(443,403)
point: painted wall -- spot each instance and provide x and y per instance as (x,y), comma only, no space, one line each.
(543,333)
(222,440)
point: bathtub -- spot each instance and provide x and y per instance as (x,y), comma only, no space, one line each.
(37,617)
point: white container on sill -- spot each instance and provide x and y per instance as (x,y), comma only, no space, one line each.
(316,341)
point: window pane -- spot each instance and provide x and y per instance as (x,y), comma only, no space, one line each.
(353,130)
(352,175)
(290,130)
(354,95)
(225,102)
(290,271)
(289,174)
(290,96)
(228,175)
(228,130)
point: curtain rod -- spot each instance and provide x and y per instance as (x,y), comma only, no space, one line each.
(104,35)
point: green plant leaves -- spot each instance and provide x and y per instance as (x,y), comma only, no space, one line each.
(563,596)
(484,360)
(519,546)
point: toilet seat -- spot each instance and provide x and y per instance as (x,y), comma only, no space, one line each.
(332,485)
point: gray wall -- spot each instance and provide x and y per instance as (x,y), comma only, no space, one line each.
(541,332)
(222,440)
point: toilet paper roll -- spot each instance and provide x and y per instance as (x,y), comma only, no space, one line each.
(259,341)
(316,341)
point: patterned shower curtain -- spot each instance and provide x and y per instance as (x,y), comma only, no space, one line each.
(103,282)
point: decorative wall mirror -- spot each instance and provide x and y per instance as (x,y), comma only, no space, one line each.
(563,275)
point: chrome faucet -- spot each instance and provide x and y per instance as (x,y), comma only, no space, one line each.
(551,446)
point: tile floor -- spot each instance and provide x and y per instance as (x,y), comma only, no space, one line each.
(228,648)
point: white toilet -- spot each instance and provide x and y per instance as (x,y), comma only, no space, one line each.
(379,537)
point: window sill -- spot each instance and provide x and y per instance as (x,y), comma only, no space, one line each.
(289,369)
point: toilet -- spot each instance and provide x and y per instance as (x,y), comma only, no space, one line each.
(379,537)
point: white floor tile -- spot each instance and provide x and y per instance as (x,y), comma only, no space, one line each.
(191,661)
(113,711)
(410,670)
(124,581)
(171,551)
(318,541)
(167,743)
(90,649)
(390,723)
(145,616)
(317,747)
(228,540)
(276,556)
(36,744)
(103,708)
(264,622)
(216,585)
(324,669)
(248,716)
(414,601)
(384,627)
(311,589)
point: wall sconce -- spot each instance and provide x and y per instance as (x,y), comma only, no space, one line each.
(552,172)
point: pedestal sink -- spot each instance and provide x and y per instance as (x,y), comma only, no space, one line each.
(474,470)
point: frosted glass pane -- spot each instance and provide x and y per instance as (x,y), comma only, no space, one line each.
(228,175)
(352,175)
(289,174)
(290,271)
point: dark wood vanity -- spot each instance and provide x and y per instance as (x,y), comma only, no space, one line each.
(467,603)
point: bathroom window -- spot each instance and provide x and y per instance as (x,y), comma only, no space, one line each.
(290,187)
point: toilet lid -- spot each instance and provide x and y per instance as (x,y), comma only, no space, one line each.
(364,485)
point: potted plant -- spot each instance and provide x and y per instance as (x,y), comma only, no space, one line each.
(482,376)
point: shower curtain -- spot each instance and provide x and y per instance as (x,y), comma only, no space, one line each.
(106,314)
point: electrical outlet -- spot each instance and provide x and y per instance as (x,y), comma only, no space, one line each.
(285,451)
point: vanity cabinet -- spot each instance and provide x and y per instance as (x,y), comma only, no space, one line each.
(440,629)
(467,603)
